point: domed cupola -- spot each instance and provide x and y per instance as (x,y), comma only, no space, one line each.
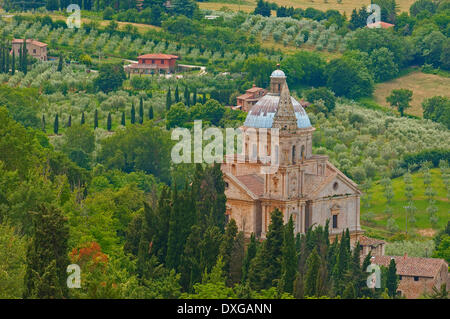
(262,114)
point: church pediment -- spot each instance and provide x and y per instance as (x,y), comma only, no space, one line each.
(236,189)
(337,185)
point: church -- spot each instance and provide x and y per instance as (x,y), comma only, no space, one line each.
(305,186)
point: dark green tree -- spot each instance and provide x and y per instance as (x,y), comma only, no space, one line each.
(109,122)
(226,247)
(288,258)
(187,96)
(56,125)
(250,254)
(82,118)
(168,100)
(392,279)
(60,63)
(400,99)
(133,113)
(177,95)
(141,110)
(47,257)
(122,121)
(150,113)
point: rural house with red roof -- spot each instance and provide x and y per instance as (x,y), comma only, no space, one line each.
(36,49)
(417,275)
(153,63)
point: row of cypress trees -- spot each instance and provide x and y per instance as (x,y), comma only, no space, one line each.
(108,120)
(8,60)
(187,97)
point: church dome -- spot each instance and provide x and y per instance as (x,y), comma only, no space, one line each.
(262,113)
(278,74)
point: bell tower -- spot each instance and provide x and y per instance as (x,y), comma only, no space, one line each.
(277,80)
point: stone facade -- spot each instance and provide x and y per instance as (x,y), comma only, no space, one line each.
(305,186)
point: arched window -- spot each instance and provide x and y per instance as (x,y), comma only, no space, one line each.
(293,154)
(302,153)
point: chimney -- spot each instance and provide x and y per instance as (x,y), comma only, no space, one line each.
(405,255)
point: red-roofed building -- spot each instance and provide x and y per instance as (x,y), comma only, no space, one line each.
(417,275)
(246,101)
(36,49)
(153,63)
(380,24)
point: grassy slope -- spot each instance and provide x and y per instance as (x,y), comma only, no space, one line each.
(346,6)
(422,225)
(423,86)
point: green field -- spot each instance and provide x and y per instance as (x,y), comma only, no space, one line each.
(422,226)
(345,6)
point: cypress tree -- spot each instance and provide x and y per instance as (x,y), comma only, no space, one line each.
(56,125)
(7,60)
(237,259)
(175,242)
(168,99)
(194,97)
(204,98)
(187,96)
(60,63)
(226,247)
(69,122)
(150,113)
(122,121)
(392,279)
(133,113)
(289,258)
(95,119)
(265,269)
(109,122)
(2,60)
(141,111)
(82,118)
(250,254)
(43,122)
(312,274)
(13,63)
(177,94)
(20,58)
(47,259)
(24,57)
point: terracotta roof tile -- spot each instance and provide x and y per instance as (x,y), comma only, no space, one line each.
(158,56)
(412,266)
(367,241)
(31,41)
(254,183)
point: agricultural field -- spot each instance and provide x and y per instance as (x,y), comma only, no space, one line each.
(373,211)
(423,85)
(345,6)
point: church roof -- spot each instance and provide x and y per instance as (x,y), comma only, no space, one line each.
(254,182)
(262,113)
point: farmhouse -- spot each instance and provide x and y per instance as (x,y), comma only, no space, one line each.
(417,275)
(306,187)
(153,63)
(36,49)
(251,96)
